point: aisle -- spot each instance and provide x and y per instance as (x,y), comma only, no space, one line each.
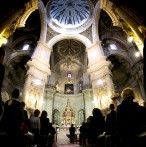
(63,140)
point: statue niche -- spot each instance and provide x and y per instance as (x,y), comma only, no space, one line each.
(68,116)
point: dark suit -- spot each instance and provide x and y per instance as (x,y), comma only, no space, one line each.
(12,119)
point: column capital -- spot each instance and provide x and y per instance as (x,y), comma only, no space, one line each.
(99,69)
(38,68)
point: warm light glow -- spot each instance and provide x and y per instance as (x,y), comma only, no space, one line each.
(130,39)
(140,46)
(43,54)
(95,101)
(100,82)
(4,41)
(93,54)
(137,54)
(37,82)
(32,99)
(41,102)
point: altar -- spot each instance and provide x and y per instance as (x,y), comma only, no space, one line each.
(68,116)
(64,128)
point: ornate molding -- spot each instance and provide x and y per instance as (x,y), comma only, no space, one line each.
(108,6)
(101,69)
(29,8)
(88,33)
(38,69)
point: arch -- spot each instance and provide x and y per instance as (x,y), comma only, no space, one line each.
(107,6)
(123,56)
(27,13)
(56,116)
(40,6)
(118,39)
(96,21)
(81,116)
(14,55)
(22,39)
(73,60)
(79,37)
(42,11)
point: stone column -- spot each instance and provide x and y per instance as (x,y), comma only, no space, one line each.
(48,105)
(36,77)
(88,102)
(100,75)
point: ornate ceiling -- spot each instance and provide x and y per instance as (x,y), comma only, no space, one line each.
(69,48)
(69,13)
(69,55)
(68,16)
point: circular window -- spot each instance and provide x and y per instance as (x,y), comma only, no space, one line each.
(69,13)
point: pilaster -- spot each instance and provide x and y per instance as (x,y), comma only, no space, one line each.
(101,79)
(88,102)
(36,78)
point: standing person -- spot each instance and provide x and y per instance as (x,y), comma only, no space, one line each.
(12,119)
(2,73)
(97,126)
(130,118)
(88,135)
(83,134)
(44,129)
(25,125)
(111,126)
(72,133)
(34,125)
(52,136)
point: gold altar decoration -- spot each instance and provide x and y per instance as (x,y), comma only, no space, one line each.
(68,115)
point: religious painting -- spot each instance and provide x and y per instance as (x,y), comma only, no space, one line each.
(69,89)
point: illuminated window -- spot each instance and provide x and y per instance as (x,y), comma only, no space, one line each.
(112,47)
(69,75)
(25,47)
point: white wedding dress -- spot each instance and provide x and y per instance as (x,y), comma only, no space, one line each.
(62,138)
